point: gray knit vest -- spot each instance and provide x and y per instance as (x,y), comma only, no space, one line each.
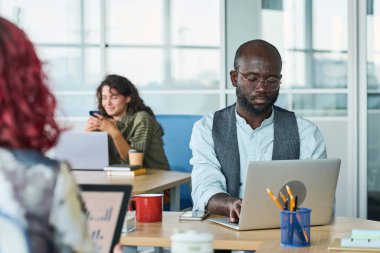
(286,142)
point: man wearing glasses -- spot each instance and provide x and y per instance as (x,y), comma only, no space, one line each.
(254,128)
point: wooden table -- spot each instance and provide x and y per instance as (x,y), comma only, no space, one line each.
(158,234)
(154,181)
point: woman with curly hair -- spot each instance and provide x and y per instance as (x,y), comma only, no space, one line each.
(128,122)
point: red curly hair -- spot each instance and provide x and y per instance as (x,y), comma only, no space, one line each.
(27,105)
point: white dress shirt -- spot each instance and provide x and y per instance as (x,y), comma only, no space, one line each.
(254,145)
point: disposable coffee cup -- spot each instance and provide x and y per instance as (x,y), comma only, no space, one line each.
(136,156)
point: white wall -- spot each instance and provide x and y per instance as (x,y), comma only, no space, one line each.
(335,132)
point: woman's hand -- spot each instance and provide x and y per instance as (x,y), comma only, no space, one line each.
(101,123)
(91,125)
(106,125)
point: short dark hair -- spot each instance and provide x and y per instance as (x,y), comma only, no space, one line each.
(257,42)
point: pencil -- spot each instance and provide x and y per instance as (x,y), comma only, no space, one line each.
(282,197)
(275,200)
(302,228)
(291,203)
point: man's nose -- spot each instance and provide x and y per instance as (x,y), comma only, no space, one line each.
(260,86)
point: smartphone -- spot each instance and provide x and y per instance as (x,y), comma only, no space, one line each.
(93,113)
(193,215)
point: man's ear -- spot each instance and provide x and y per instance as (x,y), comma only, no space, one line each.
(233,77)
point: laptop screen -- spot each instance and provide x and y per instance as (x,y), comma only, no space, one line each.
(106,207)
(83,150)
(312,181)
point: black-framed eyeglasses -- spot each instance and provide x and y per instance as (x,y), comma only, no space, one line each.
(270,84)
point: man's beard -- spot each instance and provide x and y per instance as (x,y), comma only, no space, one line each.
(256,110)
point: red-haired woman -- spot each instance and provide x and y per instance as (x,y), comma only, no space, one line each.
(38,192)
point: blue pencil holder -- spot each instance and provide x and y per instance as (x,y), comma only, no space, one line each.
(295,228)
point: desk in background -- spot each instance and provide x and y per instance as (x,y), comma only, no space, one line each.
(154,181)
(158,234)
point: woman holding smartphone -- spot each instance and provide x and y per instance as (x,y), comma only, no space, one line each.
(130,124)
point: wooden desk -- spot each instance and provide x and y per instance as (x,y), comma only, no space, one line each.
(158,234)
(155,181)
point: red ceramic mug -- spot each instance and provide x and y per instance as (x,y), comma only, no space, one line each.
(148,207)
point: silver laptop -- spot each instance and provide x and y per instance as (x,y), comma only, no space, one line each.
(106,206)
(312,181)
(83,150)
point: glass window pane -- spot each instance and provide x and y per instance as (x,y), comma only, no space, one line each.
(330,70)
(92,69)
(312,39)
(373,101)
(373,45)
(63,67)
(373,117)
(373,68)
(291,19)
(373,165)
(330,25)
(135,21)
(189,104)
(319,104)
(195,69)
(76,105)
(195,22)
(92,21)
(46,21)
(293,70)
(144,67)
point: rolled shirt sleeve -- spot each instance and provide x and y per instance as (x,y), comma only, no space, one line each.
(206,177)
(313,145)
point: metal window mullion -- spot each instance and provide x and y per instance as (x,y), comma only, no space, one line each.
(167,43)
(362,108)
(82,43)
(352,110)
(223,56)
(309,61)
(102,20)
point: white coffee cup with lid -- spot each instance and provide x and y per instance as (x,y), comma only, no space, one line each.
(192,242)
